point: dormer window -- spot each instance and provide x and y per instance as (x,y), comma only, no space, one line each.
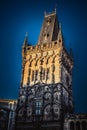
(46,36)
(48,21)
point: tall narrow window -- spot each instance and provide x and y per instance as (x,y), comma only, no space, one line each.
(48,73)
(43,74)
(38,104)
(36,75)
(53,78)
(72,127)
(29,71)
(53,68)
(32,75)
(28,80)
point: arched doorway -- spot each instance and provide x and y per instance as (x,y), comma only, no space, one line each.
(72,125)
(77,125)
(84,125)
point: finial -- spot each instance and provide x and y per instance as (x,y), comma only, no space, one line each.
(26,39)
(60,36)
(60,26)
(26,35)
(55,8)
(45,13)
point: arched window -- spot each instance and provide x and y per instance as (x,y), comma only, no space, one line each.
(72,127)
(84,125)
(30,64)
(77,125)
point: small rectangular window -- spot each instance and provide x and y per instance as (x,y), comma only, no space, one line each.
(38,107)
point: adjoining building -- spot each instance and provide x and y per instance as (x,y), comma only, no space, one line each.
(7,114)
(45,99)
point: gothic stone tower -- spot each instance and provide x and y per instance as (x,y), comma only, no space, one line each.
(45,95)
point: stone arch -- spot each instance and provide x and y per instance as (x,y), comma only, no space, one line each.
(46,111)
(32,62)
(56,108)
(78,125)
(72,125)
(47,89)
(56,96)
(21,112)
(37,61)
(41,61)
(29,111)
(84,125)
(47,60)
(47,96)
(53,60)
(45,106)
(22,100)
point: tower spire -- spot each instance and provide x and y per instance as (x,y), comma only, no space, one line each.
(60,36)
(26,39)
(60,33)
(45,13)
(60,28)
(50,25)
(55,9)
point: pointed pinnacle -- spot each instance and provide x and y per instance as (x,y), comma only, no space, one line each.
(55,9)
(26,35)
(45,13)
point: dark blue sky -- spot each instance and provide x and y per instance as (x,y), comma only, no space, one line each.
(20,16)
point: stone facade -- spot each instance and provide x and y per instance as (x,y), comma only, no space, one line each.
(75,122)
(45,96)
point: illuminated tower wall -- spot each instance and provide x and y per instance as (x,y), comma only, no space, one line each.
(46,83)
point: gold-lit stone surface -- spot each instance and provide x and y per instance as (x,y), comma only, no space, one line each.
(51,56)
